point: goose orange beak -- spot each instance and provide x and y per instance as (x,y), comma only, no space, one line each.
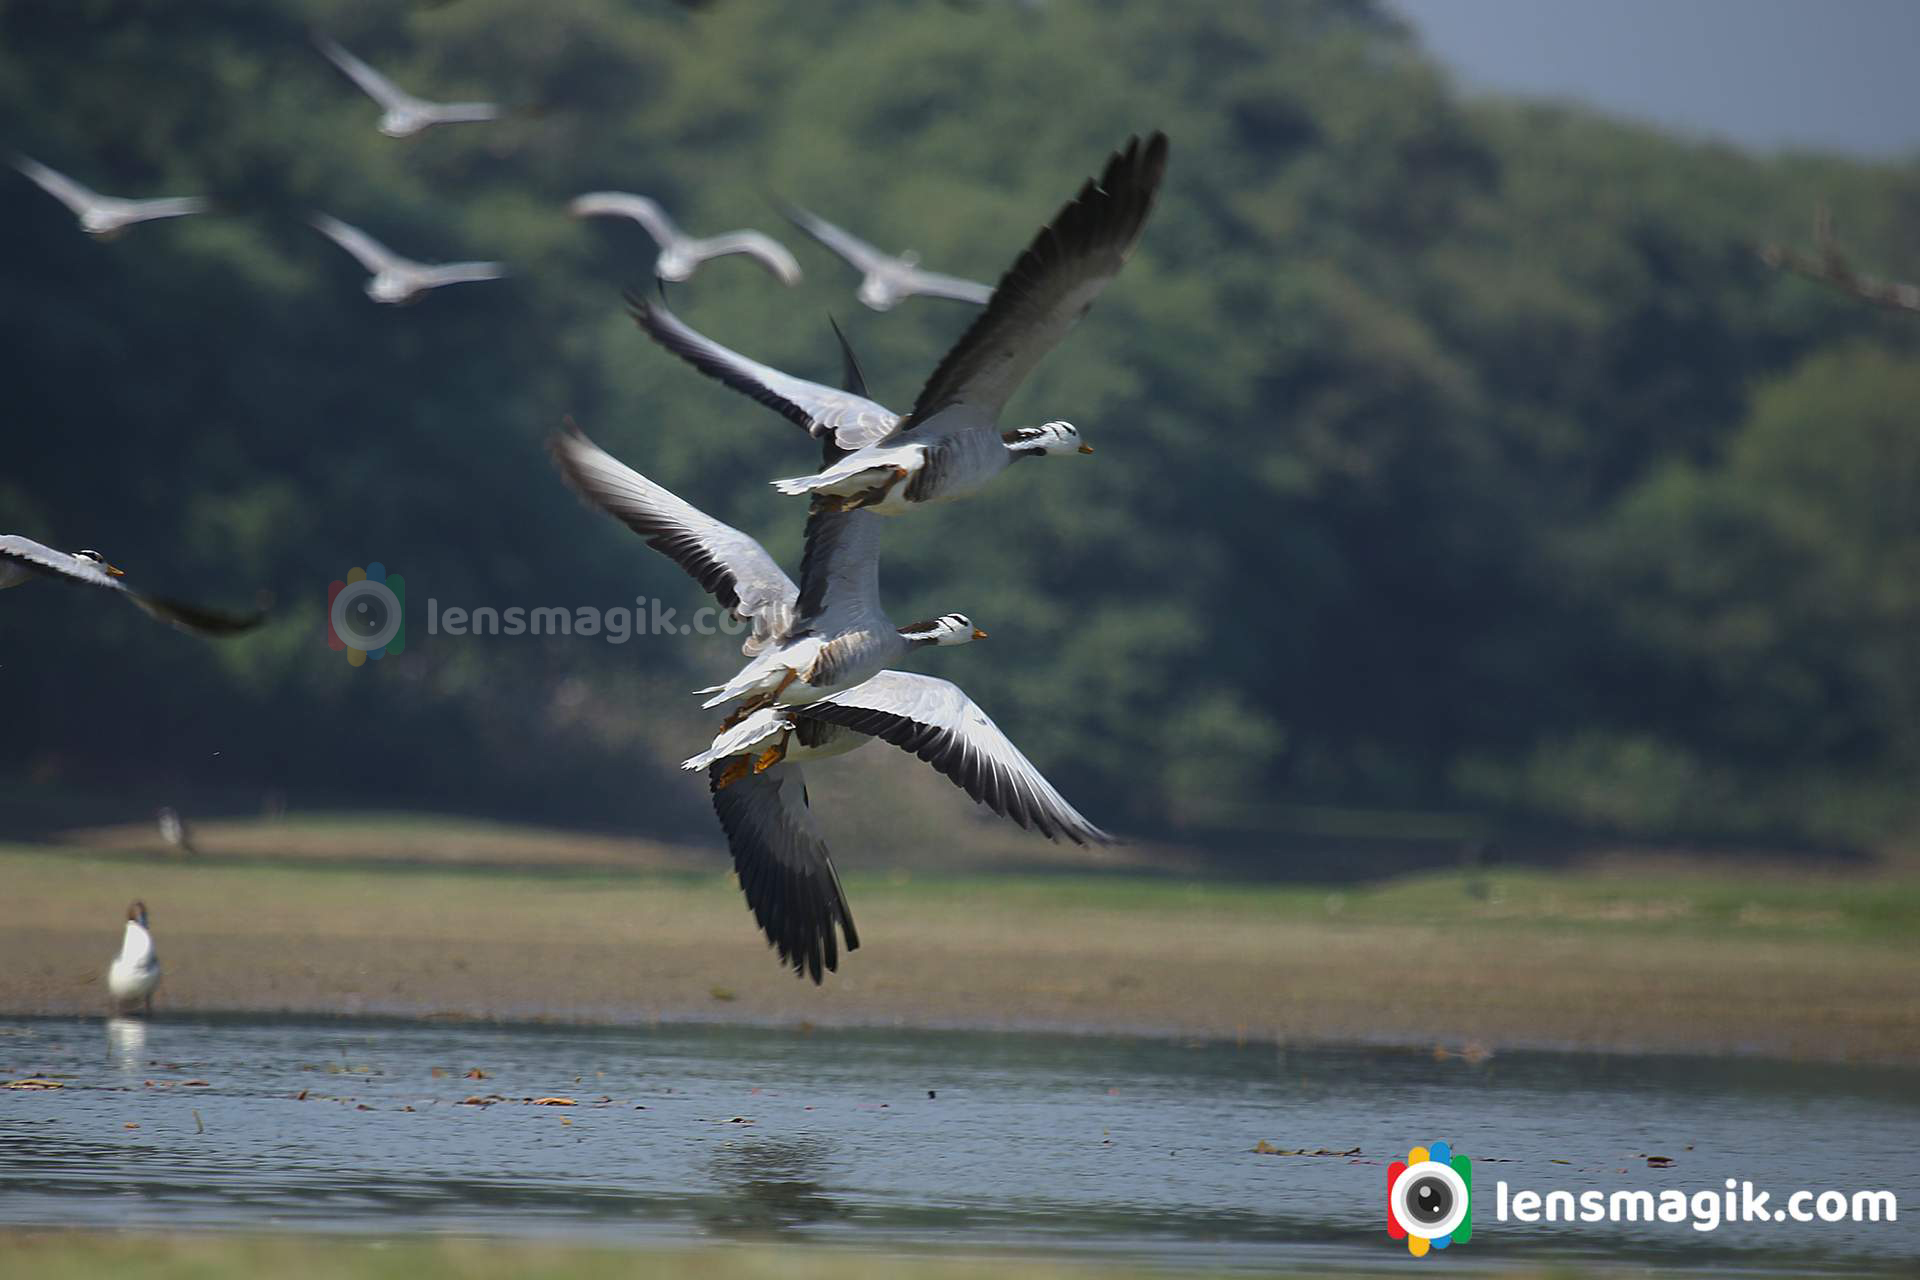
(1086,448)
(978,634)
(116,572)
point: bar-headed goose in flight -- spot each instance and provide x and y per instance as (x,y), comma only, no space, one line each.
(135,972)
(830,624)
(951,444)
(887,280)
(829,633)
(403,115)
(22,558)
(105,217)
(398,279)
(680,253)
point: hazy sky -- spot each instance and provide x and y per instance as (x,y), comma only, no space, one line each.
(1841,74)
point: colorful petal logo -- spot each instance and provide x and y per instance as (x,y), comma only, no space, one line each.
(366,614)
(1430,1199)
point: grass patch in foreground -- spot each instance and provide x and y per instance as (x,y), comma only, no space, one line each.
(85,1255)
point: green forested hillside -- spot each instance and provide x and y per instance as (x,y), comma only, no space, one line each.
(1453,455)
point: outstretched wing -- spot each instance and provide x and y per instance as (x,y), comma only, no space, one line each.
(58,185)
(935,285)
(371,82)
(370,253)
(167,207)
(622,204)
(27,554)
(936,721)
(840,570)
(759,246)
(784,867)
(1050,286)
(726,562)
(843,242)
(463,273)
(851,421)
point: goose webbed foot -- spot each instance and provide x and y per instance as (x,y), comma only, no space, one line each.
(773,755)
(737,768)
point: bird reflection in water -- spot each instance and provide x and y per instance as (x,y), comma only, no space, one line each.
(127,1043)
(769,1185)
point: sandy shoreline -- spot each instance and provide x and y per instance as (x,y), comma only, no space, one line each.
(1232,962)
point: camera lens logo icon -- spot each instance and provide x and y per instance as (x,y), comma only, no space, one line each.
(366,614)
(1430,1199)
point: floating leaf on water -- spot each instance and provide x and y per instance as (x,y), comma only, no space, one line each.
(476,1074)
(199,1125)
(300,1096)
(35,1082)
(193,1084)
(477,1101)
(129,1125)
(1660,1162)
(555,1102)
(1557,1160)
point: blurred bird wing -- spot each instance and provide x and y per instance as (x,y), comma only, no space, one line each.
(784,868)
(58,185)
(372,83)
(370,253)
(843,242)
(184,617)
(623,204)
(1050,286)
(936,721)
(734,568)
(934,284)
(852,421)
(462,112)
(763,248)
(167,207)
(462,273)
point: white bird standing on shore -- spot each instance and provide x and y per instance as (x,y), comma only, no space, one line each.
(405,115)
(680,253)
(135,972)
(105,217)
(396,278)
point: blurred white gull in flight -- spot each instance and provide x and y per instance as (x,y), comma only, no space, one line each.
(135,972)
(105,216)
(405,114)
(889,280)
(398,279)
(680,253)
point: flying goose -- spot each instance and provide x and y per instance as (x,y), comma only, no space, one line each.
(105,217)
(22,558)
(135,972)
(842,421)
(761,802)
(397,279)
(680,253)
(951,444)
(831,633)
(887,280)
(404,115)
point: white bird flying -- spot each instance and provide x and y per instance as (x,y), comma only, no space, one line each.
(135,972)
(680,253)
(23,558)
(396,279)
(759,792)
(403,114)
(886,279)
(951,444)
(105,217)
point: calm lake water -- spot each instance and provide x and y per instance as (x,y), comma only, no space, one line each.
(1091,1146)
